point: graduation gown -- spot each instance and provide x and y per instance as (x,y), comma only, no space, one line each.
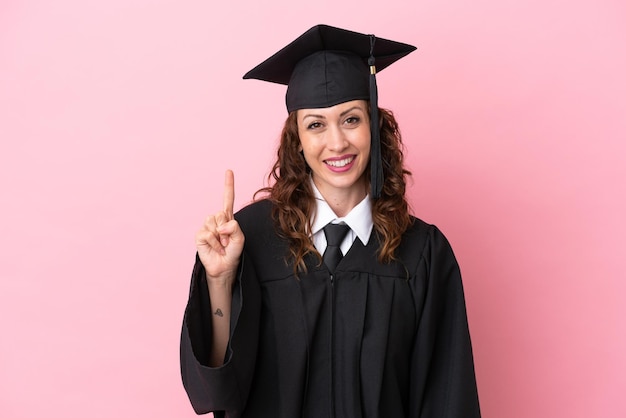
(374,340)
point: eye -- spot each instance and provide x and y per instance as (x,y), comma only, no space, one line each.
(314,125)
(352,120)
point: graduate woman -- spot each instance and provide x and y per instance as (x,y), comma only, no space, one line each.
(326,298)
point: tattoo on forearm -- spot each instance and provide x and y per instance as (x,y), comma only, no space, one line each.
(218,312)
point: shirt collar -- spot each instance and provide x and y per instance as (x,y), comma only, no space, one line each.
(359,219)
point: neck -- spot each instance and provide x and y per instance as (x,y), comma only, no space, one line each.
(342,201)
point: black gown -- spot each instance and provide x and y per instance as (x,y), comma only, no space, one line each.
(376,341)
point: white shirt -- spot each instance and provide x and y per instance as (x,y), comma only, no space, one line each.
(359,219)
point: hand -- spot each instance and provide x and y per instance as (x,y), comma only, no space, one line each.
(220,240)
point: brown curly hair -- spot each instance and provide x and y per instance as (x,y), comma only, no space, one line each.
(294,201)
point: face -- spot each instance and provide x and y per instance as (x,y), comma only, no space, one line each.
(336,145)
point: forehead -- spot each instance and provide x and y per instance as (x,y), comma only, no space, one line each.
(336,110)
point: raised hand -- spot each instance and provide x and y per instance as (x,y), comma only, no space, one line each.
(220,240)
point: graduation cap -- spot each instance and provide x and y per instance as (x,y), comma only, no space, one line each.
(327,66)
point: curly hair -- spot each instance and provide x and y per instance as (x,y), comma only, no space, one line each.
(294,201)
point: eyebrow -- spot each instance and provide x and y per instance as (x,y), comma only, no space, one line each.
(311,115)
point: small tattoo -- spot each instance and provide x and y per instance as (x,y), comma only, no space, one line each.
(219,312)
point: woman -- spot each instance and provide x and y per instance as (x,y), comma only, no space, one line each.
(376,327)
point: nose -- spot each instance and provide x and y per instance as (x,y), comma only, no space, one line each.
(336,140)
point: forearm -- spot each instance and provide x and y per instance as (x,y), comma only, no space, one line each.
(220,294)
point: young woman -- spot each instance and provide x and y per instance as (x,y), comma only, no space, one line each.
(326,298)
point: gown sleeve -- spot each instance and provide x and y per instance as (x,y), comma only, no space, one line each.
(443,378)
(224,389)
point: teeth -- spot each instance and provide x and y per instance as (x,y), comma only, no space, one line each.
(340,163)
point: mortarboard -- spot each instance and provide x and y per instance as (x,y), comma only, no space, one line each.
(327,66)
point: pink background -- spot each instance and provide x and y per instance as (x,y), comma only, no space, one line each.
(118,119)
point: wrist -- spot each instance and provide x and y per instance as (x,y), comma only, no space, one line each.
(221,282)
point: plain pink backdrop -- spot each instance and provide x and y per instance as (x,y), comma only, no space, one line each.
(118,119)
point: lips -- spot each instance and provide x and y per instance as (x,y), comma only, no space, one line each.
(340,162)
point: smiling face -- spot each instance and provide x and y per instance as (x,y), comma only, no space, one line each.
(336,146)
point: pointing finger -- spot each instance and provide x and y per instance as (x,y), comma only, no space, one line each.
(229,194)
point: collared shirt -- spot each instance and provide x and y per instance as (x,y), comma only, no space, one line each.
(359,219)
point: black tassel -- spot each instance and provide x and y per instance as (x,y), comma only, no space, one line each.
(376,158)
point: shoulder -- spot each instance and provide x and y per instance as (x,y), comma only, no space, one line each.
(254,212)
(424,239)
(420,229)
(256,222)
(265,247)
(418,233)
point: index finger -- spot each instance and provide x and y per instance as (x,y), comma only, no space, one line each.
(229,194)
